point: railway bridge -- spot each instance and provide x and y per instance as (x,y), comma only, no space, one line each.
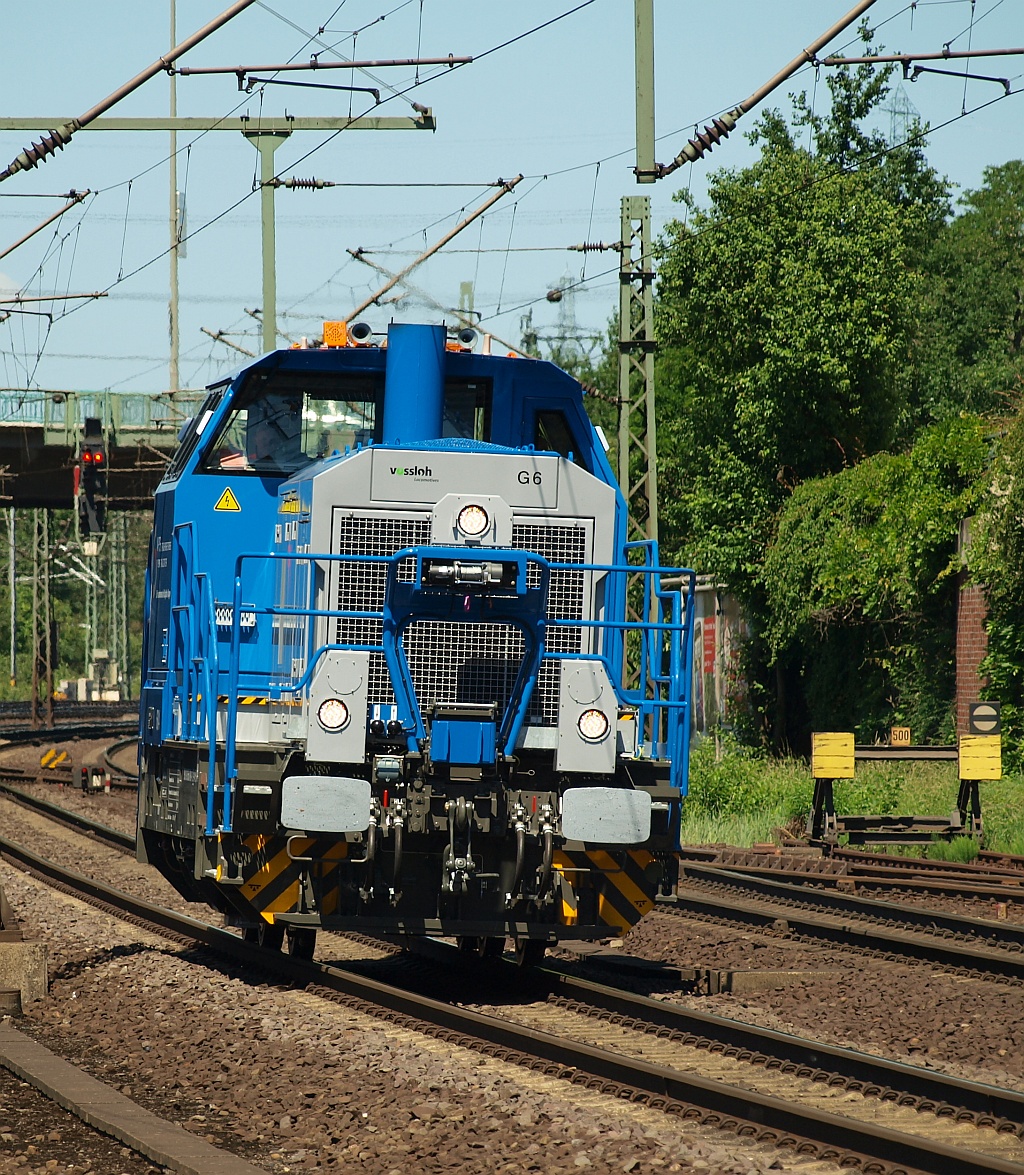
(44,435)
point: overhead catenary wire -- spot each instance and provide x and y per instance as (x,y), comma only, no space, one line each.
(316,63)
(330,138)
(505,250)
(720,128)
(724,224)
(220,336)
(506,187)
(76,198)
(457,314)
(60,136)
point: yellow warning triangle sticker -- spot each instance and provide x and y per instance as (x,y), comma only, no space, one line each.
(227,501)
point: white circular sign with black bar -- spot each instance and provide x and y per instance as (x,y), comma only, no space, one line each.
(983,718)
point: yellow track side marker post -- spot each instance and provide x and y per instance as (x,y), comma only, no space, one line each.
(832,758)
(981,757)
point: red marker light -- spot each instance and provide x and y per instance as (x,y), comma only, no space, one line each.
(87,456)
(97,457)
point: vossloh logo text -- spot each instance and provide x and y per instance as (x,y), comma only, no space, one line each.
(412,471)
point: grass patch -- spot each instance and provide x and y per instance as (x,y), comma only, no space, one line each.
(962,849)
(730,829)
(741,796)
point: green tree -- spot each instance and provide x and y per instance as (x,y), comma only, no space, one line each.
(996,557)
(970,345)
(845,137)
(783,316)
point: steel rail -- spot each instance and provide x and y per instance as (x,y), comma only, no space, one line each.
(849,935)
(878,877)
(761,1114)
(68,709)
(30,734)
(876,1073)
(103,832)
(914,917)
(986,864)
(879,1072)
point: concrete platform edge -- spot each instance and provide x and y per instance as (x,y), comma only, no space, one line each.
(164,1143)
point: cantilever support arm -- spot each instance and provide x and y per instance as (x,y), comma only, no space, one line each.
(720,127)
(56,139)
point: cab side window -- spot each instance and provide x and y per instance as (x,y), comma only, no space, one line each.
(467,409)
(193,431)
(552,434)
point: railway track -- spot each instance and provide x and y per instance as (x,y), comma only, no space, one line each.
(61,815)
(965,942)
(64,773)
(967,945)
(68,731)
(852,872)
(65,711)
(761,1084)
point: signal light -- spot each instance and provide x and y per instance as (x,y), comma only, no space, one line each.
(91,486)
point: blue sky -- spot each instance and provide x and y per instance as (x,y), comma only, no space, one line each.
(556,106)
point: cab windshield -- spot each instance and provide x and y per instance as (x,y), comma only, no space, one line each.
(284,420)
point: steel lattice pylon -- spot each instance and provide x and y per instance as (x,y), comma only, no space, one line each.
(637,448)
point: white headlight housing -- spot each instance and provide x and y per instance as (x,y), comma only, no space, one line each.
(593,725)
(473,521)
(333,714)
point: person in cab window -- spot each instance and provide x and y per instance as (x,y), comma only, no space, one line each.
(272,436)
(267,447)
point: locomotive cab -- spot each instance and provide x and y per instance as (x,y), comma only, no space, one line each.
(403,671)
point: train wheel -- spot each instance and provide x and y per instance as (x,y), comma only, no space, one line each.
(490,948)
(301,941)
(530,951)
(270,936)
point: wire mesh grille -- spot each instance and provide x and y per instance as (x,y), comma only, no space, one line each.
(361,585)
(558,544)
(467,664)
(454,663)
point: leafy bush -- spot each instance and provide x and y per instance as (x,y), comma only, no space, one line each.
(861,584)
(744,782)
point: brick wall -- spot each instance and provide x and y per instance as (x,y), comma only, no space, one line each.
(971,638)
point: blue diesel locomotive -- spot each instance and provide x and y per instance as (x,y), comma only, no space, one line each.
(403,672)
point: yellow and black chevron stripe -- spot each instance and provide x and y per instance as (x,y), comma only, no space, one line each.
(254,700)
(271,878)
(625,892)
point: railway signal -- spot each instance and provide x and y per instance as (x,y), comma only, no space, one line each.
(91,480)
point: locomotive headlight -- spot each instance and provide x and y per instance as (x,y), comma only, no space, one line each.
(473,521)
(333,714)
(593,725)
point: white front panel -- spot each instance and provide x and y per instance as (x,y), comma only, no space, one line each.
(325,803)
(606,815)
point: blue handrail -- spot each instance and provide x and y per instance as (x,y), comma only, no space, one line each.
(663,699)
